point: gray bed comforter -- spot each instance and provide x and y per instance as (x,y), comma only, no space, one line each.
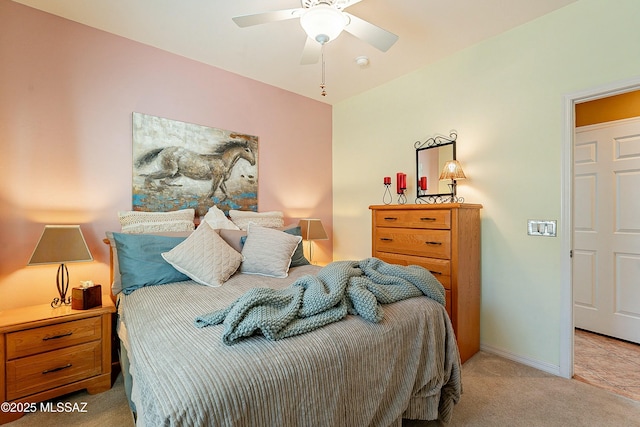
(348,373)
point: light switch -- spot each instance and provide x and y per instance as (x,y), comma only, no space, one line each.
(541,227)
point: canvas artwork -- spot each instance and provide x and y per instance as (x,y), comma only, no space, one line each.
(178,165)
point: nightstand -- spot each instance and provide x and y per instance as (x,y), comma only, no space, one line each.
(48,352)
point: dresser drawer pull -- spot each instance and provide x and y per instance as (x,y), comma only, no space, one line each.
(435,272)
(427,219)
(433,243)
(55,337)
(49,371)
(386,239)
(390,218)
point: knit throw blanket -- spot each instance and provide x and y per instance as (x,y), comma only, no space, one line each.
(340,288)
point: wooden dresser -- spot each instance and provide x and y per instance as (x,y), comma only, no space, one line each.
(48,352)
(445,239)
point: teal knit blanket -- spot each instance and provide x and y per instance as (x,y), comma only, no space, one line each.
(340,288)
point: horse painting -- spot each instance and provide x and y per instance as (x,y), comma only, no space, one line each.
(174,162)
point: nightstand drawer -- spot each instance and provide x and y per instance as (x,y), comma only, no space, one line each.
(48,370)
(427,243)
(46,338)
(435,219)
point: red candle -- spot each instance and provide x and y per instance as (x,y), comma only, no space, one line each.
(403,184)
(423,183)
(387,180)
(399,183)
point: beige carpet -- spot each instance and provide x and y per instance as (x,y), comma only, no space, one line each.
(497,392)
(108,409)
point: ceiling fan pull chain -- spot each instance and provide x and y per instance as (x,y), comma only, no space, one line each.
(323,92)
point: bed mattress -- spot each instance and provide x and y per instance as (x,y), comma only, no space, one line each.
(349,373)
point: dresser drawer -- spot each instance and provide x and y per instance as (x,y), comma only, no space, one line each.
(44,371)
(445,280)
(436,219)
(440,268)
(427,243)
(46,338)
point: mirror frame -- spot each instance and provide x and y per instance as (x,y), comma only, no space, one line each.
(434,142)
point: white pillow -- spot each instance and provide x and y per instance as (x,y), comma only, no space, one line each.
(272,219)
(218,220)
(267,251)
(205,257)
(153,222)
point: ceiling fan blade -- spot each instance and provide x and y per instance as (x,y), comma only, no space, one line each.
(377,37)
(311,52)
(266,17)
(343,4)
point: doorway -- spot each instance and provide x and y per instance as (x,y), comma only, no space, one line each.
(568,214)
(606,218)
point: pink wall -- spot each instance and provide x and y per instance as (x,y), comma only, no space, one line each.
(67,93)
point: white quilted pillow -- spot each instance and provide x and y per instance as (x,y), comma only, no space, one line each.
(272,219)
(205,257)
(153,222)
(218,220)
(267,251)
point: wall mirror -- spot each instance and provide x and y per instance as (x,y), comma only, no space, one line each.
(431,155)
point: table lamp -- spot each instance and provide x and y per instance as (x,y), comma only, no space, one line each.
(312,229)
(452,170)
(61,244)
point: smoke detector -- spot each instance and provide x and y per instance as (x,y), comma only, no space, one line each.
(362,61)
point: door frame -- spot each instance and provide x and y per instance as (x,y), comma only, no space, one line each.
(566,211)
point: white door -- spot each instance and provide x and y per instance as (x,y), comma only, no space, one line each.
(606,233)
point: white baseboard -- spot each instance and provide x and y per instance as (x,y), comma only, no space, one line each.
(542,366)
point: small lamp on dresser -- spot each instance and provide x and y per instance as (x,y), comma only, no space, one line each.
(452,170)
(312,229)
(61,244)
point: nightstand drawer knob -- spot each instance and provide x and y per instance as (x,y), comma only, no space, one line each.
(55,337)
(427,219)
(435,272)
(433,243)
(390,218)
(49,371)
(386,239)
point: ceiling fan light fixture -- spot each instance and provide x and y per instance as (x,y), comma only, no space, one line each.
(323,23)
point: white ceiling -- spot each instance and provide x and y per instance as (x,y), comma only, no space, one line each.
(203,30)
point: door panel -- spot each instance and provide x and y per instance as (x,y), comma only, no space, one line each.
(584,264)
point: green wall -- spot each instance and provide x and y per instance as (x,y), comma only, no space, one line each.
(505,99)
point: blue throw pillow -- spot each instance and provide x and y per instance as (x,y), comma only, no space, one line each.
(298,257)
(141,263)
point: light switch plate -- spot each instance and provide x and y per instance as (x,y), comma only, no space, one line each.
(541,227)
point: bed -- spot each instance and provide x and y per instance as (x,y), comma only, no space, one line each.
(351,372)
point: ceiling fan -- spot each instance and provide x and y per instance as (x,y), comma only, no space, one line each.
(323,21)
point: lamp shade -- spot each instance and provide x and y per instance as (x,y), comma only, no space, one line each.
(60,244)
(323,23)
(452,170)
(312,229)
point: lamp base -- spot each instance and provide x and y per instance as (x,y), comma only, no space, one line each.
(62,283)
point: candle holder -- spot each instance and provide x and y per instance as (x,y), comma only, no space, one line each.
(402,198)
(386,196)
(401,187)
